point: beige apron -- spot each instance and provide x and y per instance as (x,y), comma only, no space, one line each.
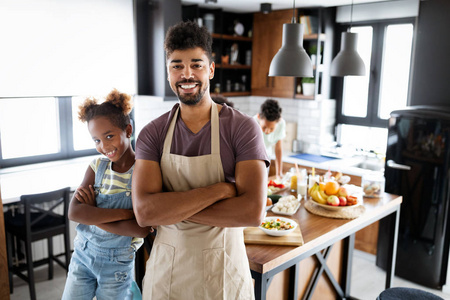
(190,260)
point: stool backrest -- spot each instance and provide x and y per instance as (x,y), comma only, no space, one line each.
(45,206)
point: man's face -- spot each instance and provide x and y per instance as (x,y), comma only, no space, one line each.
(189,73)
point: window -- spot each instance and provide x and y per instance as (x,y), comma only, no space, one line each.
(35,131)
(41,129)
(365,102)
(82,140)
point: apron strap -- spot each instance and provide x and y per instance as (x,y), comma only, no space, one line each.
(169,135)
(215,132)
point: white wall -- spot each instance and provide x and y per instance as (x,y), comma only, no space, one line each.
(65,48)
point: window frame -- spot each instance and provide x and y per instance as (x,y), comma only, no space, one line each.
(65,134)
(373,100)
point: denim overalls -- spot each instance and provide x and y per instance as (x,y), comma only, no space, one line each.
(102,263)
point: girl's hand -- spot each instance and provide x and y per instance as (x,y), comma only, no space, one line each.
(86,196)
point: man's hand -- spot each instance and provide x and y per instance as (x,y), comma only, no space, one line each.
(86,195)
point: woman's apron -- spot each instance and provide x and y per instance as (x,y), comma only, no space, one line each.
(190,260)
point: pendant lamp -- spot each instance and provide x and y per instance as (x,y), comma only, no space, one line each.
(347,61)
(291,59)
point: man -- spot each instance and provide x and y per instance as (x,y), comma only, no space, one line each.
(274,129)
(200,177)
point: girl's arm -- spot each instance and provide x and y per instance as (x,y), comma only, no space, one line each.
(126,228)
(89,214)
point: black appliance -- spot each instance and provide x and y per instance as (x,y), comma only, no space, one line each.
(417,168)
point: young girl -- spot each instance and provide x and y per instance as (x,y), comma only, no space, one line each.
(102,263)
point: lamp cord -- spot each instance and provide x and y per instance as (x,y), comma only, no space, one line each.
(351,16)
(294,19)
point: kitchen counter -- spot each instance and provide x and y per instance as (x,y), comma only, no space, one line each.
(347,165)
(281,263)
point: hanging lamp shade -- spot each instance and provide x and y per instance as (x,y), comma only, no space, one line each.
(291,59)
(347,61)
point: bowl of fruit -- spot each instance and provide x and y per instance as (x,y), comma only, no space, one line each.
(278,226)
(333,196)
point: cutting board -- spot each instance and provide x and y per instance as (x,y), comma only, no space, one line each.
(254,235)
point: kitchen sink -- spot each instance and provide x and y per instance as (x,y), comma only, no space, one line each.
(370,165)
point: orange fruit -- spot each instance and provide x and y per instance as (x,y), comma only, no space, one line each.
(331,187)
(322,186)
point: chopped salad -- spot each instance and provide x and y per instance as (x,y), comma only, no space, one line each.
(277,225)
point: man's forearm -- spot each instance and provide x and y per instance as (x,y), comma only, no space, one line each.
(239,211)
(172,207)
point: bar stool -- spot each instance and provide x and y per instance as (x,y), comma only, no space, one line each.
(400,293)
(44,216)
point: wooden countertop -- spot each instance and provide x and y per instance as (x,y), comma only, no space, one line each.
(319,232)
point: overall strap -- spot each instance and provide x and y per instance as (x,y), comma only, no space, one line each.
(101,170)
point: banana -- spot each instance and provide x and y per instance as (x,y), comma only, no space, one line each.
(322,193)
(313,188)
(314,195)
(320,199)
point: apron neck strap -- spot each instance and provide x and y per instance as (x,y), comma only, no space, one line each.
(215,132)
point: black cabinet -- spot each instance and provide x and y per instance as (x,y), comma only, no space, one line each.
(232,47)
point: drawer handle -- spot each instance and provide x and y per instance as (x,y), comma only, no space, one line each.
(392,164)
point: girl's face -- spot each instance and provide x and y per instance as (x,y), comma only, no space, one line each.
(109,140)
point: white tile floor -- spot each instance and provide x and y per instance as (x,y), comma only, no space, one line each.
(367,282)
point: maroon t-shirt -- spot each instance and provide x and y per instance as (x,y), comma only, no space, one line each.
(240,139)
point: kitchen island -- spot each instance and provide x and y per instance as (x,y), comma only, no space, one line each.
(283,272)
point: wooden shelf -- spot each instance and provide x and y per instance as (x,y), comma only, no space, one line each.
(301,96)
(236,94)
(314,36)
(228,66)
(231,37)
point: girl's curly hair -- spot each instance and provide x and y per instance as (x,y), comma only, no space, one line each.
(270,110)
(188,35)
(117,107)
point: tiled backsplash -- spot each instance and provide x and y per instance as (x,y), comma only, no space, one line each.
(315,119)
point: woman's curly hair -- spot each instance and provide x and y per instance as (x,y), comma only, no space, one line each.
(270,110)
(117,107)
(188,35)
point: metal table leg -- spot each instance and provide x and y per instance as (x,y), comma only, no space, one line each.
(293,281)
(392,248)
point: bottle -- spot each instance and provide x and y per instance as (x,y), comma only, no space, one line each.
(294,183)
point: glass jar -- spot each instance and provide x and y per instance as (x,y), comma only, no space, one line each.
(373,185)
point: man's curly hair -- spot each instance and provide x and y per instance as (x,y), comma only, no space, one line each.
(270,110)
(188,35)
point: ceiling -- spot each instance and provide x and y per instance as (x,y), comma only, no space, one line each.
(243,6)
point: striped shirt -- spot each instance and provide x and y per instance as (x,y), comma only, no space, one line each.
(113,182)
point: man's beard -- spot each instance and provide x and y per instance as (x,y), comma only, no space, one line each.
(191,99)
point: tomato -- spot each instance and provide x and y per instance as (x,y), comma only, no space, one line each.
(351,200)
